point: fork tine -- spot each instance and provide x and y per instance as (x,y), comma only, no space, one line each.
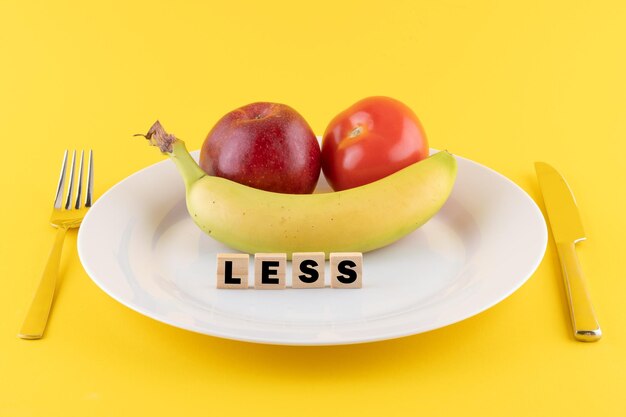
(59,195)
(79,188)
(89,194)
(70,188)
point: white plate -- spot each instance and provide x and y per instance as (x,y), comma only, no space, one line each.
(140,246)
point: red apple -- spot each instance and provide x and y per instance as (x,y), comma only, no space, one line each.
(264,145)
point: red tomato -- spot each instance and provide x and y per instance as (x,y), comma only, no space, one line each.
(373,138)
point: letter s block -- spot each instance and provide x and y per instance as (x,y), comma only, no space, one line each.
(307,269)
(346,270)
(232,270)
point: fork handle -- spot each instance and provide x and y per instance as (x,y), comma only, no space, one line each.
(35,322)
(584,322)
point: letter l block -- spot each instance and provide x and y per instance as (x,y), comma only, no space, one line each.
(232,270)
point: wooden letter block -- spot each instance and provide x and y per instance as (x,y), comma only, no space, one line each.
(232,270)
(346,270)
(269,271)
(307,269)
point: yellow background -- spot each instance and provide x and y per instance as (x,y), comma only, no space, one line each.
(503,83)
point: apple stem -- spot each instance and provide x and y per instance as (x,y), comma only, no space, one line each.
(356,132)
(176,150)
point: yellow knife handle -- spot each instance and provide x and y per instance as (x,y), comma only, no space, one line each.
(584,322)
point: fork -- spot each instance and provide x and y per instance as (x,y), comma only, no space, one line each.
(64,217)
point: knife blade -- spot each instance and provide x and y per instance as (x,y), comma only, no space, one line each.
(567,230)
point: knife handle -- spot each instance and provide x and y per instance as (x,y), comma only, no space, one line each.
(584,322)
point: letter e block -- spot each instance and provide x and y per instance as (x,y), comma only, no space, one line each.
(232,270)
(346,270)
(307,269)
(269,271)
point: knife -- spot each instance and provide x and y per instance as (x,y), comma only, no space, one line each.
(567,230)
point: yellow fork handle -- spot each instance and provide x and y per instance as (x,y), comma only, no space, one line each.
(584,322)
(37,316)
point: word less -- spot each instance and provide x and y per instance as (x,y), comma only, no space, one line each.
(307,270)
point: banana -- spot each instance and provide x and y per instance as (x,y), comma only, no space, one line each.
(355,220)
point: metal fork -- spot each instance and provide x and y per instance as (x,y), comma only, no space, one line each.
(64,216)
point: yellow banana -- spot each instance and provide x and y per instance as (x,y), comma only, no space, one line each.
(354,220)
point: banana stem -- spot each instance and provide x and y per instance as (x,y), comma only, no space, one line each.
(176,150)
(187,166)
